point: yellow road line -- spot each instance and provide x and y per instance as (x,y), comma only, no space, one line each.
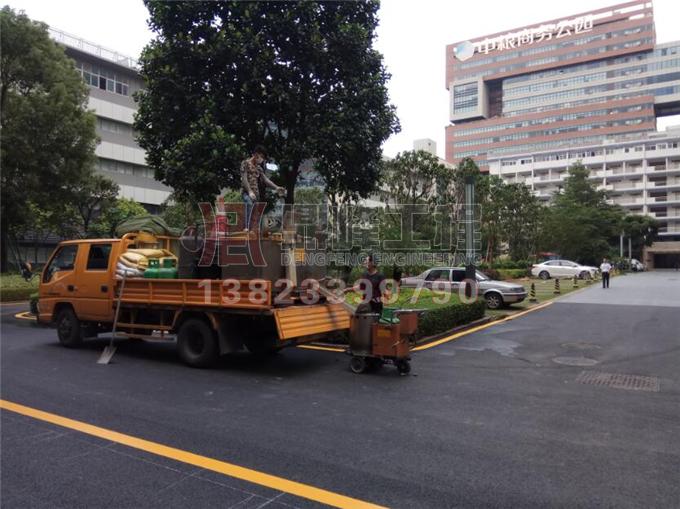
(222,467)
(25,315)
(478,328)
(324,348)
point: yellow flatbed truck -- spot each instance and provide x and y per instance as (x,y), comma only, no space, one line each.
(80,290)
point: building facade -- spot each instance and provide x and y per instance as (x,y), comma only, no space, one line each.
(640,173)
(112,78)
(571,81)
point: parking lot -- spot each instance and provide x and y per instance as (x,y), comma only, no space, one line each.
(576,404)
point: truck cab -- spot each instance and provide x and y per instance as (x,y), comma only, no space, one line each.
(78,276)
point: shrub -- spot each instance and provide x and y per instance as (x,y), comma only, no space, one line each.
(439,320)
(513,273)
(492,273)
(13,287)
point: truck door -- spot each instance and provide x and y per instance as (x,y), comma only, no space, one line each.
(58,280)
(93,278)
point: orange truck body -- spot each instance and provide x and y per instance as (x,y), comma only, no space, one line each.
(81,277)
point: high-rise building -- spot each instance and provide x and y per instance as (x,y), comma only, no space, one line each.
(640,174)
(112,78)
(574,80)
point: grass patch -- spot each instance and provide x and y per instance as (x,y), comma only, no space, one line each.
(13,287)
(544,292)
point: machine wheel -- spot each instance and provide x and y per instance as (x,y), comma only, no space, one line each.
(68,329)
(357,364)
(403,367)
(544,274)
(493,300)
(196,343)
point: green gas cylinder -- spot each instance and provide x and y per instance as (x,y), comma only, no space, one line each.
(168,270)
(153,270)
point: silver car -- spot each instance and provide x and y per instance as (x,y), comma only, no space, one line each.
(496,293)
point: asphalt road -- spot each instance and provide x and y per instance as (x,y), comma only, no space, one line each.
(498,418)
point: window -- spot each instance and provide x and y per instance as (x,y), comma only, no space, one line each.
(438,275)
(458,275)
(98,258)
(62,261)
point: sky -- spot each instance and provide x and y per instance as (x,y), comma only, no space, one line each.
(412,37)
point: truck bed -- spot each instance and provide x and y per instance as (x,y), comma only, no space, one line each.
(237,294)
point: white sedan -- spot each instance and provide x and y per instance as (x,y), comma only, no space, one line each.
(562,269)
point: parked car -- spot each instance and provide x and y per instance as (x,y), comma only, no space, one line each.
(496,293)
(636,265)
(562,269)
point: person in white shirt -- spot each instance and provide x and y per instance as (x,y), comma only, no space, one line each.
(605,267)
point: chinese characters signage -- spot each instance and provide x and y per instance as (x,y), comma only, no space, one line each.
(513,40)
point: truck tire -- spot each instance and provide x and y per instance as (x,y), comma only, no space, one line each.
(68,329)
(197,344)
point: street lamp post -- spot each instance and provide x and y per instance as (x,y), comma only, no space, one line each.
(470,274)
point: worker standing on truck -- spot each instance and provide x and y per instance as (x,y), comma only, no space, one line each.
(252,173)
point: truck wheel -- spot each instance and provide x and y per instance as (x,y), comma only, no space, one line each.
(196,343)
(68,329)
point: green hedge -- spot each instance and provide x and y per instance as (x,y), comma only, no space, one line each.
(439,320)
(13,287)
(512,273)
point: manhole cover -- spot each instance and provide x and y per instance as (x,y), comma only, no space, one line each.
(581,345)
(619,381)
(575,361)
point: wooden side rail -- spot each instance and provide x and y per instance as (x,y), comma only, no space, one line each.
(214,293)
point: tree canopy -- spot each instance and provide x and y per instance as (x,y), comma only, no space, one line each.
(301,78)
(580,224)
(48,135)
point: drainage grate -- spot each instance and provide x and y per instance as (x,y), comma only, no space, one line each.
(620,381)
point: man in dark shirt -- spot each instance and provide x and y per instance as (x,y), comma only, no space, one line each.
(371,287)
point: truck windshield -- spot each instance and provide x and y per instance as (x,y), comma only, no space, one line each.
(63,260)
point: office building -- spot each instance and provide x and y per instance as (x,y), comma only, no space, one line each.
(112,78)
(565,82)
(641,174)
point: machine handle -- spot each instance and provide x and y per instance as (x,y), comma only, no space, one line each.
(104,288)
(71,288)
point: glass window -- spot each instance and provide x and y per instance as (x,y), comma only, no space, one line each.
(119,88)
(63,260)
(458,275)
(102,83)
(438,275)
(98,257)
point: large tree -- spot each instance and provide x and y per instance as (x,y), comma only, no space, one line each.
(580,224)
(301,78)
(48,136)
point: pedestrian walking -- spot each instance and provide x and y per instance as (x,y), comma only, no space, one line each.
(605,268)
